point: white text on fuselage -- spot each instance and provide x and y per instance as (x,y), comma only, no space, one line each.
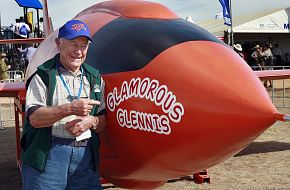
(150,90)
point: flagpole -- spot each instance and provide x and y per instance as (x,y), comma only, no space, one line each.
(0,25)
(232,31)
(0,22)
(2,47)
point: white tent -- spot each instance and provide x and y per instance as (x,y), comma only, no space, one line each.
(267,26)
(277,22)
(259,22)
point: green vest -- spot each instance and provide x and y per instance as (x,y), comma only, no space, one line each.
(35,142)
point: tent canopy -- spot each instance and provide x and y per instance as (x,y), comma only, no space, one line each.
(29,3)
(267,21)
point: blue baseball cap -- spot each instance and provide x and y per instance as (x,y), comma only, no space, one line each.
(73,29)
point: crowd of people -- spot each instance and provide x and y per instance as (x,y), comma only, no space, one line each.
(261,57)
(21,29)
(264,57)
(19,55)
(24,29)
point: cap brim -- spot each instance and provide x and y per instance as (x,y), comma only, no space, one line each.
(74,37)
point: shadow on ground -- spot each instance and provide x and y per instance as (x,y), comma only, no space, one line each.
(264,147)
(9,176)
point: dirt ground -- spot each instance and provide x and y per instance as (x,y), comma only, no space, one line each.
(263,165)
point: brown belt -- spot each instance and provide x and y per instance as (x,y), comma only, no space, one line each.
(71,142)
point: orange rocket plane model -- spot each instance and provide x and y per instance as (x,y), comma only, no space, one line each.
(178,99)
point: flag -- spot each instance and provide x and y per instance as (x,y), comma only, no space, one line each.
(226,12)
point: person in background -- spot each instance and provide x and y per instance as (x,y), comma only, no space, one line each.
(239,50)
(28,51)
(257,57)
(16,27)
(23,32)
(266,51)
(38,30)
(26,56)
(266,56)
(3,76)
(24,29)
(267,60)
(4,67)
(65,110)
(277,53)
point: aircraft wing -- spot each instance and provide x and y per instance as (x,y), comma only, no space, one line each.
(273,74)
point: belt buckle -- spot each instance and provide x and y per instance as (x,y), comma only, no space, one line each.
(77,143)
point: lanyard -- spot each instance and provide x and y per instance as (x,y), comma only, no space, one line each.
(70,96)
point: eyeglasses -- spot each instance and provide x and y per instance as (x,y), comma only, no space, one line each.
(81,47)
(77,46)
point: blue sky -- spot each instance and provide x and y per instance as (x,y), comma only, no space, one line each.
(199,10)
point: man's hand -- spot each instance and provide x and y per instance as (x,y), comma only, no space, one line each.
(82,107)
(80,124)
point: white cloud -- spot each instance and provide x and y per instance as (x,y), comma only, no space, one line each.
(62,11)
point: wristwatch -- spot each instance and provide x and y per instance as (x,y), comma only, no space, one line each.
(94,126)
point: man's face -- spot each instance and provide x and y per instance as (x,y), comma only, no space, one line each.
(73,52)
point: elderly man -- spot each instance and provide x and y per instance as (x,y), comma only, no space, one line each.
(65,112)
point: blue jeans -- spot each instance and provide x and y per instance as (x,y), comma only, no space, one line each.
(66,168)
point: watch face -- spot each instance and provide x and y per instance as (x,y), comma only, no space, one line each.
(94,126)
(71,98)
